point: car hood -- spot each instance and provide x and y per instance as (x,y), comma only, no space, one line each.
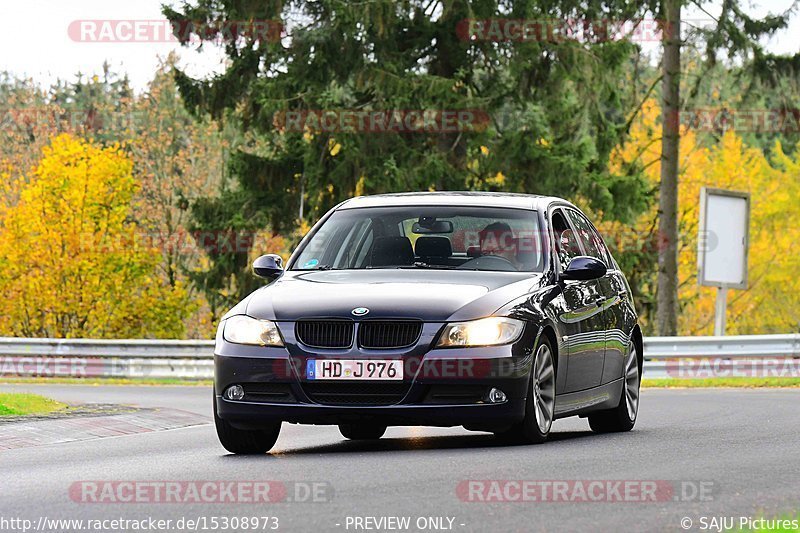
(429,295)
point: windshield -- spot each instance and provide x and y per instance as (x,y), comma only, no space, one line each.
(466,238)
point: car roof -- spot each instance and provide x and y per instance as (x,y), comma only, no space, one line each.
(454,198)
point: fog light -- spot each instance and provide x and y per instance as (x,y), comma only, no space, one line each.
(234,392)
(495,396)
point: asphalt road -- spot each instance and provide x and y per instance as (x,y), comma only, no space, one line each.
(739,446)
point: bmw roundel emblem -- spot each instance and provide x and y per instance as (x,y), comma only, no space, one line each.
(360,311)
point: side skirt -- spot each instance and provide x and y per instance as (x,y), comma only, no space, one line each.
(586,401)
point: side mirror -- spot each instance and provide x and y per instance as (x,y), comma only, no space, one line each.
(584,267)
(268,266)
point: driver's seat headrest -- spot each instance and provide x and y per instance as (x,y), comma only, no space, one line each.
(433,247)
(389,251)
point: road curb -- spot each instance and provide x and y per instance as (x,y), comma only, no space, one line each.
(39,432)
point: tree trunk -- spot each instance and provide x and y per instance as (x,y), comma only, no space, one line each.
(450,57)
(667,295)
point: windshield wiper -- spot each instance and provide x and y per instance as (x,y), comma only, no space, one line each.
(322,267)
(420,264)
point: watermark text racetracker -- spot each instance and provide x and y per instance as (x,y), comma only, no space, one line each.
(584,491)
(727,367)
(381,120)
(754,120)
(581,30)
(78,367)
(224,241)
(200,491)
(165,31)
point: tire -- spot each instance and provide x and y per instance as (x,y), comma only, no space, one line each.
(623,416)
(361,432)
(242,441)
(540,401)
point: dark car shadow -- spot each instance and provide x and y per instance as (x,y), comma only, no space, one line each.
(444,442)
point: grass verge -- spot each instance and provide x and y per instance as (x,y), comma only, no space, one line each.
(705,383)
(16,404)
(111,381)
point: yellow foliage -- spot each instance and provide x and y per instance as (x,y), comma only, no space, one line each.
(498,179)
(72,263)
(771,304)
(360,186)
(333,147)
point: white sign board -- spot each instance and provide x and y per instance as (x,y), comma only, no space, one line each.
(723,238)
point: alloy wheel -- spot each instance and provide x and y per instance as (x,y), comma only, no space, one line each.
(544,388)
(632,381)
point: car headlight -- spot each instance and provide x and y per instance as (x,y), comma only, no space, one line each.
(241,329)
(490,331)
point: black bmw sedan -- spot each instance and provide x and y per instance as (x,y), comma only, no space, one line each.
(496,312)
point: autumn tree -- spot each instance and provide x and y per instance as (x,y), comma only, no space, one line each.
(177,159)
(71,262)
(31,116)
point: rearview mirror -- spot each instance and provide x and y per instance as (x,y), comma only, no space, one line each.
(268,266)
(584,267)
(432,226)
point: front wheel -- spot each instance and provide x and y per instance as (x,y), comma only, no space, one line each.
(541,400)
(623,416)
(361,432)
(244,441)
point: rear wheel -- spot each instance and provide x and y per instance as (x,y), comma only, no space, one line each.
(361,432)
(541,400)
(623,416)
(245,441)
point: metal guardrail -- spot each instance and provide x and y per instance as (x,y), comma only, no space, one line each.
(722,357)
(680,357)
(735,346)
(169,349)
(126,358)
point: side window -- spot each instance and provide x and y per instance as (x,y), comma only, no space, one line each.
(591,241)
(567,246)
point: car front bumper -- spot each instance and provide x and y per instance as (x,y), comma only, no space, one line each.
(440,388)
(483,417)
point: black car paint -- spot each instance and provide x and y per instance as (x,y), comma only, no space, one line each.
(589,323)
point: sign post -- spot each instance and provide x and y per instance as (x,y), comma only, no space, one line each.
(722,245)
(720,310)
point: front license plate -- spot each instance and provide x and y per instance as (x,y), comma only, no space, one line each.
(355,369)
